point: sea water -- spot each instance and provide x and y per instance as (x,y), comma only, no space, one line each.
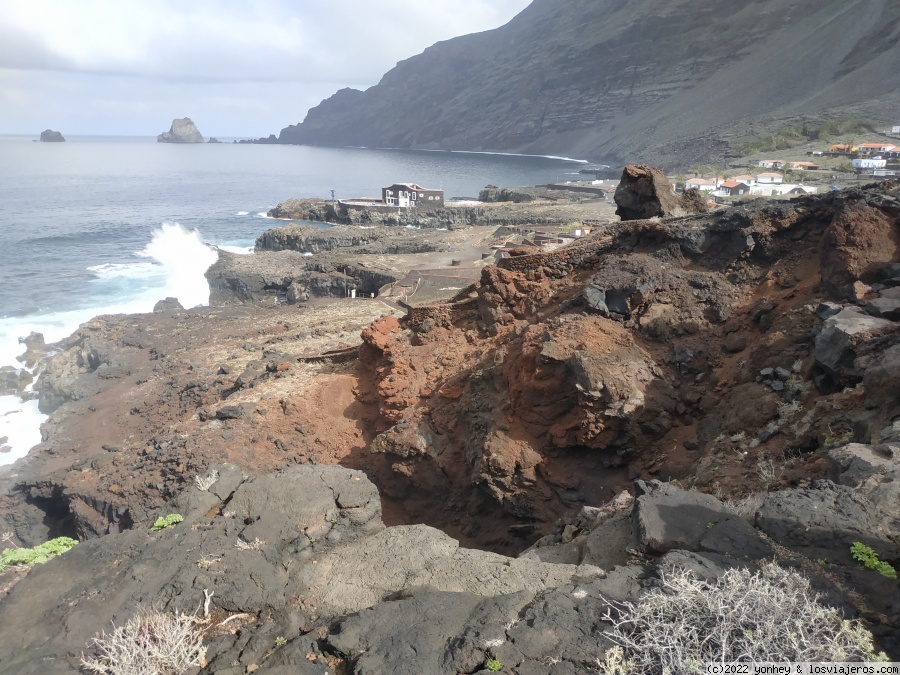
(112,225)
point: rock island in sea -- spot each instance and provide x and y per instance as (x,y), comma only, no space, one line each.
(182,131)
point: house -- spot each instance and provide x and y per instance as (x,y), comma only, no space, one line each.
(733,188)
(876,148)
(769,178)
(770,163)
(744,178)
(803,166)
(895,130)
(782,189)
(407,195)
(702,184)
(892,154)
(869,163)
(884,172)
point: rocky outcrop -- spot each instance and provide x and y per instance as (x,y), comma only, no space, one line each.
(857,245)
(275,277)
(259,554)
(182,131)
(50,136)
(645,192)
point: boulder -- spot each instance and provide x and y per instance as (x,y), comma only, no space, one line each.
(50,136)
(168,305)
(825,519)
(843,345)
(182,131)
(667,518)
(885,308)
(644,192)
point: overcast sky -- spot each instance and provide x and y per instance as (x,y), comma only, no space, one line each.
(237,68)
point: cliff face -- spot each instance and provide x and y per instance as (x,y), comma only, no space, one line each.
(624,80)
(182,131)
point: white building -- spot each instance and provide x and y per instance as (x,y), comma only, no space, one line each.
(769,178)
(770,163)
(782,189)
(895,130)
(702,184)
(874,163)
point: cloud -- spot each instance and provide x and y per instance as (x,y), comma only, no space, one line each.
(282,40)
(244,68)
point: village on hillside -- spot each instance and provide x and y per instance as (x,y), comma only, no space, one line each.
(787,174)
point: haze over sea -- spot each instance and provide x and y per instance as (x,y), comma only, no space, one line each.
(102,225)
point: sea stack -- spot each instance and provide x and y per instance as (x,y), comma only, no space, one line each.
(50,136)
(182,131)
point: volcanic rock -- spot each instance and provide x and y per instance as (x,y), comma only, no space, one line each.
(644,192)
(50,136)
(182,131)
(856,246)
(168,305)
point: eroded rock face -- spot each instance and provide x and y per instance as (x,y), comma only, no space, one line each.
(856,246)
(182,131)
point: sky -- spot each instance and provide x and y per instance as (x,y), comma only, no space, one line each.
(238,68)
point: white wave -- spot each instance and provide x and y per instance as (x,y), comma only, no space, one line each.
(242,213)
(507,154)
(185,259)
(20,423)
(240,250)
(177,261)
(125,270)
(263,214)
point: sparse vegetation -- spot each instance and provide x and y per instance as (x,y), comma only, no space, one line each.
(798,134)
(254,545)
(203,483)
(869,558)
(161,644)
(771,615)
(492,665)
(37,555)
(166,521)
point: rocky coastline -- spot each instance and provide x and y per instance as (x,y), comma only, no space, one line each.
(371,487)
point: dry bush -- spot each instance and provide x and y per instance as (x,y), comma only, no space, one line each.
(743,617)
(150,644)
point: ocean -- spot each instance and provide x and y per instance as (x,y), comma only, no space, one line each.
(102,225)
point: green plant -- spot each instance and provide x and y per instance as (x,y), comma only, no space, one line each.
(164,644)
(867,556)
(280,641)
(166,521)
(492,665)
(771,615)
(37,555)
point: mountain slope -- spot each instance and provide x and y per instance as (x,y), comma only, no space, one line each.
(621,79)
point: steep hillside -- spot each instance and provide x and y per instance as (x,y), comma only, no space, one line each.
(660,80)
